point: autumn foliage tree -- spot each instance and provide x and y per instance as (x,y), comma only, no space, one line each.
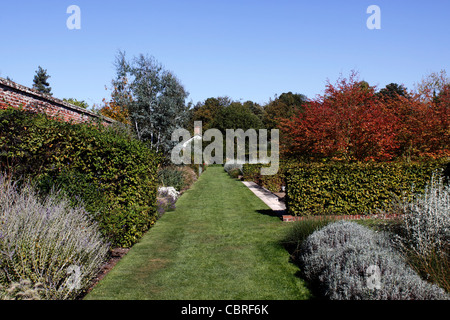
(117,109)
(423,128)
(351,121)
(347,122)
(121,97)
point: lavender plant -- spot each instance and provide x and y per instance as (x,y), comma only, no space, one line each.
(47,241)
(336,260)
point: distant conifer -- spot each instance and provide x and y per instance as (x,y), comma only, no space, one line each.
(40,81)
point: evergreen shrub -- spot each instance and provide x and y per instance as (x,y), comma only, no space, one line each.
(114,174)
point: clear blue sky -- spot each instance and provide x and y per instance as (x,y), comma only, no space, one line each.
(246,49)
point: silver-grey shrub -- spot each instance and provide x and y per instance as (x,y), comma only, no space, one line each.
(424,237)
(426,223)
(47,241)
(336,258)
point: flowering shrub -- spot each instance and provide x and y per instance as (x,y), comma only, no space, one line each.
(337,258)
(167,197)
(47,241)
(168,192)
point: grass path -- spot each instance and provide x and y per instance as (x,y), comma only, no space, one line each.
(217,245)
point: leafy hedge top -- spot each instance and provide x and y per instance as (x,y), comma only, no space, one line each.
(354,188)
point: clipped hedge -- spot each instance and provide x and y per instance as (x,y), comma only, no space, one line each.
(274,183)
(113,173)
(251,172)
(353,188)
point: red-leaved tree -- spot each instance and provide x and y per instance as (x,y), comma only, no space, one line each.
(348,122)
(352,122)
(423,129)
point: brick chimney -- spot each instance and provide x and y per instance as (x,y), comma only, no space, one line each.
(197,128)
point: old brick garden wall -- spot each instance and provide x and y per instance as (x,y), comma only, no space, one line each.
(16,95)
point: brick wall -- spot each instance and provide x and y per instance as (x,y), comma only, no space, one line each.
(16,95)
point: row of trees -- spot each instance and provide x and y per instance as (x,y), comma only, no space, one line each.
(351,120)
(222,113)
(153,102)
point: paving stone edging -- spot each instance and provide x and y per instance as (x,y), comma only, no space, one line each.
(266,196)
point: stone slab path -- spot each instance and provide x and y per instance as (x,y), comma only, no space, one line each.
(266,196)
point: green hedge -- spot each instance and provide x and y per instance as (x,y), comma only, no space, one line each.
(252,172)
(113,173)
(356,188)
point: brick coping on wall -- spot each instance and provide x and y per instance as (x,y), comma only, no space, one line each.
(41,98)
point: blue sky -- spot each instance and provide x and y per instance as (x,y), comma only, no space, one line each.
(247,49)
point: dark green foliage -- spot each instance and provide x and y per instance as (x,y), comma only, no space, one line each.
(353,188)
(40,81)
(236,116)
(274,183)
(82,104)
(222,113)
(255,108)
(171,177)
(392,91)
(206,112)
(114,174)
(77,186)
(284,106)
(234,173)
(252,172)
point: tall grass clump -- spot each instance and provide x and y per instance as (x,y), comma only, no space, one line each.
(47,242)
(338,261)
(425,232)
(23,290)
